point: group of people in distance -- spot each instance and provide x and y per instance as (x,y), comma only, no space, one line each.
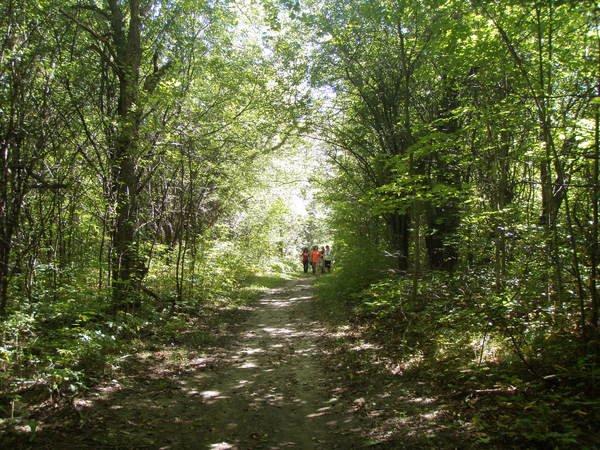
(319,260)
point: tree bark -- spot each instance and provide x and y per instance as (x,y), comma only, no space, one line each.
(595,198)
(443,218)
(126,261)
(398,225)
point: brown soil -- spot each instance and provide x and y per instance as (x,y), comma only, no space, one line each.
(266,388)
(289,373)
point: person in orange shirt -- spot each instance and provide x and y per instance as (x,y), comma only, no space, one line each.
(315,256)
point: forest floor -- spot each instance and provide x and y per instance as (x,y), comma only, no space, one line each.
(279,375)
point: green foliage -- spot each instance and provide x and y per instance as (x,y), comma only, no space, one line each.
(459,332)
(463,206)
(210,111)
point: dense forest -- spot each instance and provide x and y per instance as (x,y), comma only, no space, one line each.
(163,163)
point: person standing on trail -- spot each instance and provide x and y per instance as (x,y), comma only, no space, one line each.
(304,257)
(327,258)
(322,260)
(314,259)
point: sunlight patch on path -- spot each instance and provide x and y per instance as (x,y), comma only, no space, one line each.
(265,389)
(276,385)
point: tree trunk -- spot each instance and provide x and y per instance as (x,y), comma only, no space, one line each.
(124,236)
(443,220)
(595,197)
(442,224)
(398,225)
(5,235)
(126,261)
(4,261)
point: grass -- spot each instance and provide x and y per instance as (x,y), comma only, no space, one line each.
(265,281)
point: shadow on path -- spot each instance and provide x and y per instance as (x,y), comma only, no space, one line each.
(266,390)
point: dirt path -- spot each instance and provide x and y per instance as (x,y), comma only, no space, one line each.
(267,389)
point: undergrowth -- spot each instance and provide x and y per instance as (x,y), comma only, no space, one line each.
(52,351)
(514,380)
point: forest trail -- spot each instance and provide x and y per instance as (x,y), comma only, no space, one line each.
(266,389)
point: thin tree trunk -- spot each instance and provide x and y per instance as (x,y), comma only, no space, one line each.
(595,198)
